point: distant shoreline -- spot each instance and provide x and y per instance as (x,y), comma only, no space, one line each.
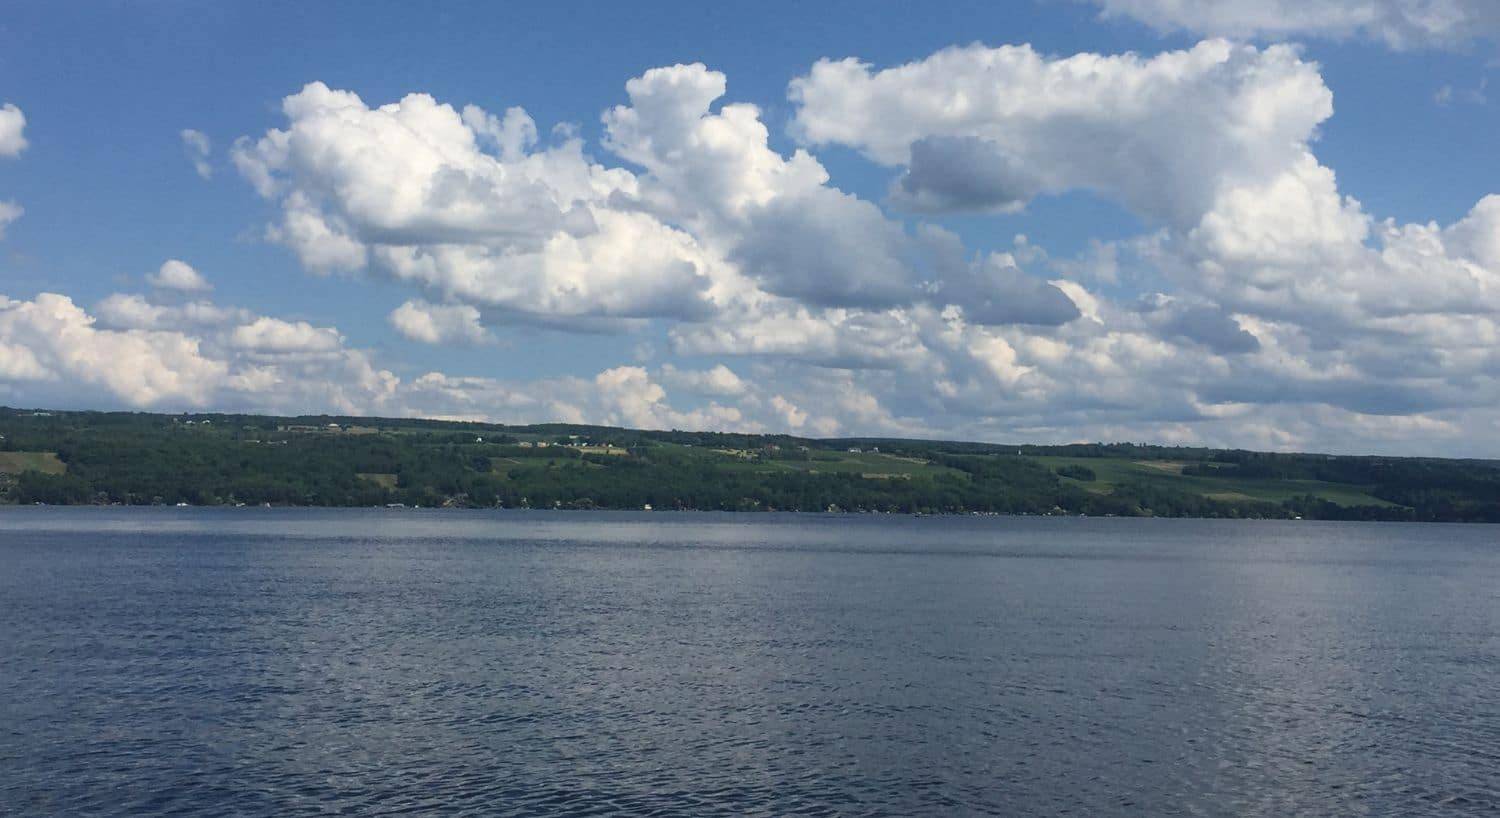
(225,460)
(672,512)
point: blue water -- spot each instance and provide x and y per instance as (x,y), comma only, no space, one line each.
(298,661)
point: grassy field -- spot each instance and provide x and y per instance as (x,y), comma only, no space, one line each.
(17,462)
(383,480)
(1111,471)
(872,464)
(502,467)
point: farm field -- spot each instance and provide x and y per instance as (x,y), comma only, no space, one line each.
(1111,472)
(837,462)
(44,462)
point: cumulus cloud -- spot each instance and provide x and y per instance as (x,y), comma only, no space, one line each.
(198,147)
(409,189)
(178,275)
(1400,24)
(714,172)
(719,381)
(1477,235)
(53,341)
(627,396)
(1162,135)
(275,336)
(439,323)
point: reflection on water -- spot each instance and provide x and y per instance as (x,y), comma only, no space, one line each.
(273,662)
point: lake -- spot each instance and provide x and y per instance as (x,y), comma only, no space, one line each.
(275,662)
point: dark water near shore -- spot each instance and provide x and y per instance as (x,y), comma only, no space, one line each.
(276,662)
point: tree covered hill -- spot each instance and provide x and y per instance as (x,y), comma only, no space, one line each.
(207,459)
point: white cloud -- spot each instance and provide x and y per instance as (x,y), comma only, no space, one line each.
(275,336)
(439,323)
(978,128)
(409,189)
(178,275)
(322,243)
(699,158)
(12,143)
(714,173)
(12,131)
(792,417)
(855,339)
(198,147)
(122,311)
(627,396)
(1477,235)
(1397,23)
(139,354)
(719,381)
(51,339)
(513,135)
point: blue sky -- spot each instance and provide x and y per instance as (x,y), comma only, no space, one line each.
(110,193)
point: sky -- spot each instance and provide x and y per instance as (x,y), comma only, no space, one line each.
(1269,224)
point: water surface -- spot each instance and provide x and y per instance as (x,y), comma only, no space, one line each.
(307,661)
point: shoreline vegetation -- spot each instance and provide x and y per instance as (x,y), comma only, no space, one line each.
(127,458)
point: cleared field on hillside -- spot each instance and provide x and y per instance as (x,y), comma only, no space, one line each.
(384,480)
(1168,474)
(17,462)
(503,467)
(827,462)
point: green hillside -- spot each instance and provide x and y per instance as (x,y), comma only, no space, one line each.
(222,459)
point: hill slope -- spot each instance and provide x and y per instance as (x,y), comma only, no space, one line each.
(134,458)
